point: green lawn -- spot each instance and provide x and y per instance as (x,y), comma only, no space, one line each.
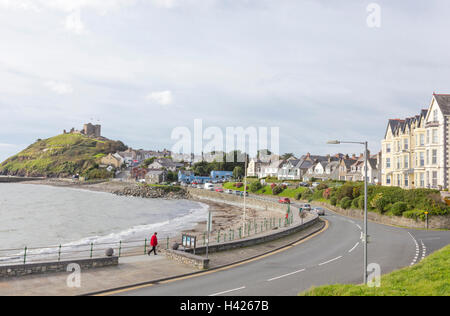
(266,190)
(431,277)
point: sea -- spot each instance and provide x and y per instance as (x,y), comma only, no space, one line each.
(44,217)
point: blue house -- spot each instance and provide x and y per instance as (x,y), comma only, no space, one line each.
(189,177)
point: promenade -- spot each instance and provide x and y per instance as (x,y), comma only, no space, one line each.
(135,270)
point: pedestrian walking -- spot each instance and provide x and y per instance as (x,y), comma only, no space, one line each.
(153,243)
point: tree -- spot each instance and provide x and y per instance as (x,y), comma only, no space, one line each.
(148,162)
(238,172)
(287,156)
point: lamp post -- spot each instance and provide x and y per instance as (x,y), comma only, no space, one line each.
(337,142)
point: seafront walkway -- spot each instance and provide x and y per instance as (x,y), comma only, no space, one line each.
(137,269)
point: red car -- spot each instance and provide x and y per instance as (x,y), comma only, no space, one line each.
(219,190)
(284,201)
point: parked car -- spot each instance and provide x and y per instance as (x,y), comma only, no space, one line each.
(209,186)
(284,201)
(237,192)
(229,191)
(306,207)
(315,184)
(141,181)
(319,211)
(242,193)
(303,184)
(220,190)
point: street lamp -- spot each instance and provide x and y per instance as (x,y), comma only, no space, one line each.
(337,142)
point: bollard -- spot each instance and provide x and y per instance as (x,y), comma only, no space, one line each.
(218,236)
(59,253)
(233,234)
(240,232)
(279,222)
(204,239)
(120,248)
(229,236)
(92,248)
(25,255)
(167,244)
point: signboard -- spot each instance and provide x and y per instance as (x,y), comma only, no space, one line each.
(189,241)
(209,222)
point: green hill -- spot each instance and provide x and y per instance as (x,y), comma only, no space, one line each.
(431,277)
(61,156)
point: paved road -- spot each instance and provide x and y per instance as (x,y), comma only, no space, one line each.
(335,256)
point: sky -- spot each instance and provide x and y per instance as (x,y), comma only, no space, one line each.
(317,69)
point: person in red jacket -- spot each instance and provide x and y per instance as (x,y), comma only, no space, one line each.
(153,243)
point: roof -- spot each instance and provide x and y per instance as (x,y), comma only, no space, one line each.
(443,100)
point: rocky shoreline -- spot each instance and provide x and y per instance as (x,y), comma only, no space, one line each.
(153,192)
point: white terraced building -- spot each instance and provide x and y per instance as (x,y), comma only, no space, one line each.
(416,149)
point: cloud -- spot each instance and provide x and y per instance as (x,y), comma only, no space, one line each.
(74,24)
(168,4)
(59,87)
(161,97)
(26,5)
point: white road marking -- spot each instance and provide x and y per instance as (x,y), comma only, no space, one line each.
(359,227)
(224,292)
(417,250)
(354,247)
(285,275)
(424,250)
(321,264)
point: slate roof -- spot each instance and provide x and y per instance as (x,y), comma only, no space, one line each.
(443,100)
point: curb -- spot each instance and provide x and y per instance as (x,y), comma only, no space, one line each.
(323,227)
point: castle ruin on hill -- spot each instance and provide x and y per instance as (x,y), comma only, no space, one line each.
(88,130)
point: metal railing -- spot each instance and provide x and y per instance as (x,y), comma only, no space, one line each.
(30,255)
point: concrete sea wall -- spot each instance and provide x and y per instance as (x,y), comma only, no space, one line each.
(51,267)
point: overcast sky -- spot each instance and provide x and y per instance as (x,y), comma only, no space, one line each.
(143,67)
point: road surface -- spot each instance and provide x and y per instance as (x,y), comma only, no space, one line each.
(334,256)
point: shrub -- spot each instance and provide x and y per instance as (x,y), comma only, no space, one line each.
(355,203)
(399,208)
(327,193)
(298,196)
(306,195)
(322,186)
(277,190)
(346,202)
(317,195)
(414,214)
(255,186)
(379,202)
(333,201)
(239,185)
(345,191)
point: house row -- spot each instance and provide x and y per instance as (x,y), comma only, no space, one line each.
(215,176)
(132,158)
(308,167)
(416,149)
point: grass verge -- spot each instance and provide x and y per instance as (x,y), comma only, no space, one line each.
(431,277)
